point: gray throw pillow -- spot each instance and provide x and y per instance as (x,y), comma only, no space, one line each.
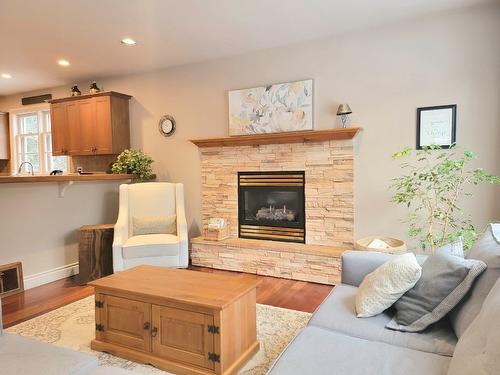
(453,248)
(478,350)
(487,249)
(445,281)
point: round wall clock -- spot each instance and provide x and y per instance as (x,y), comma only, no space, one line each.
(167,126)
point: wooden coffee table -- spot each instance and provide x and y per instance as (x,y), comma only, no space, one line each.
(182,321)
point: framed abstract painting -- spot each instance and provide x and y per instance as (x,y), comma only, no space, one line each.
(282,107)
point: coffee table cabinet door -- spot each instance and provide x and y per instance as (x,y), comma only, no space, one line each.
(127,323)
(182,336)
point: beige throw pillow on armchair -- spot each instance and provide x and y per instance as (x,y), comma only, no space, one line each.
(154,225)
(384,286)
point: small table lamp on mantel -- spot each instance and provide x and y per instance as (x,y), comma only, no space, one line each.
(343,111)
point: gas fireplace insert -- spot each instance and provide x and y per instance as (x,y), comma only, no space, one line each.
(271,205)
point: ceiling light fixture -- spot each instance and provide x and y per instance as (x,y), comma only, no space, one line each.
(63,62)
(128,42)
(6,75)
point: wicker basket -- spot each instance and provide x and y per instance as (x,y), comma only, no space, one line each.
(396,246)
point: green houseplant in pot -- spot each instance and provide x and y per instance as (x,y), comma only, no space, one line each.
(434,182)
(134,162)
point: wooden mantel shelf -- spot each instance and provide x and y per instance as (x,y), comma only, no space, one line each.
(276,138)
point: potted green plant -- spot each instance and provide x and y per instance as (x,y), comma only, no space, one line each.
(432,187)
(134,162)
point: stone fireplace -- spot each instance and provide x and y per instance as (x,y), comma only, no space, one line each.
(271,205)
(289,202)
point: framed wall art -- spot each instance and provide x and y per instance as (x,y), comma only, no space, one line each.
(436,126)
(282,107)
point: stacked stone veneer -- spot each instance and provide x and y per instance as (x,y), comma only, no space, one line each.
(329,177)
(329,203)
(278,259)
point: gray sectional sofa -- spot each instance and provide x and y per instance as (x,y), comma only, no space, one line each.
(24,356)
(335,341)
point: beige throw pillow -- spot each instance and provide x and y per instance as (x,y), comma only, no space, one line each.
(384,286)
(154,225)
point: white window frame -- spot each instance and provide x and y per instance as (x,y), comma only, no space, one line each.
(43,146)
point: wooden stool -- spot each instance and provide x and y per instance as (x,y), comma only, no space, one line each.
(95,252)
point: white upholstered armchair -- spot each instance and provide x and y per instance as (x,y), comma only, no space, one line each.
(144,208)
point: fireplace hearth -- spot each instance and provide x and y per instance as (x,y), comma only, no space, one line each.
(271,205)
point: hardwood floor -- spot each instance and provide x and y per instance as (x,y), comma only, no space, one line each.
(290,294)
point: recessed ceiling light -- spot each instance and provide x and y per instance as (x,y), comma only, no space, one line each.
(6,75)
(63,62)
(129,42)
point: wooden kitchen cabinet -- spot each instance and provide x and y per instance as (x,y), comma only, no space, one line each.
(96,124)
(4,136)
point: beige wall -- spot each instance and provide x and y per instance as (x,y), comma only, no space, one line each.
(384,74)
(41,230)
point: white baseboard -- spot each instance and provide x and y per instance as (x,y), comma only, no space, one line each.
(55,274)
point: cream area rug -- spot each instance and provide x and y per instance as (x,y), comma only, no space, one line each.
(73,327)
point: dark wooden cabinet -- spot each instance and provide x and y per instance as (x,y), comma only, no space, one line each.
(96,124)
(95,252)
(4,136)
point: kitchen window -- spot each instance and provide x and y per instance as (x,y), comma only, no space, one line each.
(32,142)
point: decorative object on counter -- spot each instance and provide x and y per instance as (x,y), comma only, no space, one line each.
(93,88)
(277,108)
(382,244)
(134,162)
(11,279)
(344,111)
(75,91)
(436,126)
(166,126)
(95,252)
(432,188)
(217,229)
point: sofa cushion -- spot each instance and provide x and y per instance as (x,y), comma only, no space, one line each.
(150,245)
(322,352)
(21,355)
(478,350)
(337,313)
(384,286)
(445,281)
(487,249)
(453,248)
(357,264)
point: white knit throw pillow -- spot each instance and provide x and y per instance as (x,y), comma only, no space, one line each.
(384,286)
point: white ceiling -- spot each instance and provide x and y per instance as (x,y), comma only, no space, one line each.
(35,34)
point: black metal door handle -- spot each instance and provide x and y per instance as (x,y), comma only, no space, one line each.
(147,325)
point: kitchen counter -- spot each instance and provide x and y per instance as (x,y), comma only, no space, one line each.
(64,178)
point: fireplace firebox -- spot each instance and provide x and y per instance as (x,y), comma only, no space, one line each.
(271,206)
